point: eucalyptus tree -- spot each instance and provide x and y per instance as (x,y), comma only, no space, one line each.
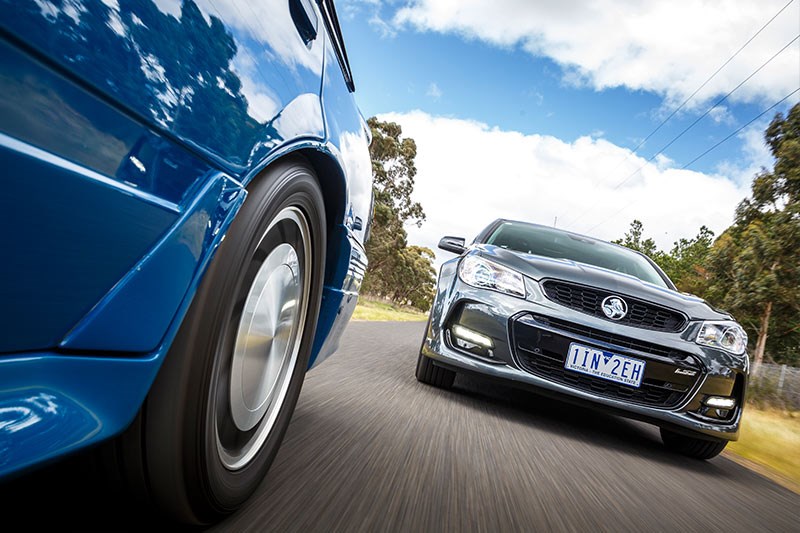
(397,271)
(756,262)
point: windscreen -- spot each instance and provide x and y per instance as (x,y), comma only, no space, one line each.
(550,242)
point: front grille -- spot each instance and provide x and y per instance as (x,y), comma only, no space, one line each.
(588,300)
(542,352)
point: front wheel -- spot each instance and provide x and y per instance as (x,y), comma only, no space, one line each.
(692,447)
(434,375)
(218,410)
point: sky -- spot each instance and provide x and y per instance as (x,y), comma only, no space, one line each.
(581,115)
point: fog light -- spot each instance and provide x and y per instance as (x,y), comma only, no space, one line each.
(472,336)
(720,402)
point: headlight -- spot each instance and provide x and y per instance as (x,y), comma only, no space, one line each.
(484,274)
(728,336)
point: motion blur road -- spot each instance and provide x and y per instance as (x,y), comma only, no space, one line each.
(371,449)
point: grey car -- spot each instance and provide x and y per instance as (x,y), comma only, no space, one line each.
(591,322)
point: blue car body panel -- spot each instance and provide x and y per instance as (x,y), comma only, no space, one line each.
(129,131)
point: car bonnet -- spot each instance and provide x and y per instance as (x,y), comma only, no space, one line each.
(540,268)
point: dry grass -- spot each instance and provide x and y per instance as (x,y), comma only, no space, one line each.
(771,440)
(381,311)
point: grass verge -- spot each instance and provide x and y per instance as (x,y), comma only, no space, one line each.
(769,442)
(382,311)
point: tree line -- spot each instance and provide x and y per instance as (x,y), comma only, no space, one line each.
(752,269)
(397,271)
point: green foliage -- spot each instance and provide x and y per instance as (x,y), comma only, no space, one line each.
(401,273)
(393,170)
(414,277)
(757,264)
(686,264)
(634,239)
(386,238)
(753,268)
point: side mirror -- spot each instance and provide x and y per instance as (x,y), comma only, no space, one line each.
(457,245)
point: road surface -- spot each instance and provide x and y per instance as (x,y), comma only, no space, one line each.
(371,449)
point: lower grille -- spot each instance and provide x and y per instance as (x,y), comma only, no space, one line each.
(542,353)
(551,366)
(603,336)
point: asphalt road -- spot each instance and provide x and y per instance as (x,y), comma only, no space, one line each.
(371,449)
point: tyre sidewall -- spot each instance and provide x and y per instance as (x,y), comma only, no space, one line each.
(181,401)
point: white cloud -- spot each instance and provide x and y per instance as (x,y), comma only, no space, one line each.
(756,155)
(669,48)
(262,104)
(300,116)
(71,8)
(384,28)
(722,115)
(470,174)
(434,91)
(277,40)
(169,7)
(370,10)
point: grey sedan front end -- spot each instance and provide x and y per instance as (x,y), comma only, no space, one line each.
(588,326)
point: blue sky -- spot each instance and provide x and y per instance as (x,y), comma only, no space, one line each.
(511,89)
(579,88)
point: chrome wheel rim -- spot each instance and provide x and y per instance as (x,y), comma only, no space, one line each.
(267,340)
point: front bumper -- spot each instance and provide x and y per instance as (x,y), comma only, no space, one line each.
(52,404)
(675,401)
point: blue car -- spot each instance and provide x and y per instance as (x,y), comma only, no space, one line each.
(187,190)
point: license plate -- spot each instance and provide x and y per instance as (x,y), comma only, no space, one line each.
(606,365)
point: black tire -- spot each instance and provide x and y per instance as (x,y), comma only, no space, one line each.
(193,450)
(695,448)
(434,375)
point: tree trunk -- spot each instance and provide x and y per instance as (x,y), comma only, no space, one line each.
(758,358)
